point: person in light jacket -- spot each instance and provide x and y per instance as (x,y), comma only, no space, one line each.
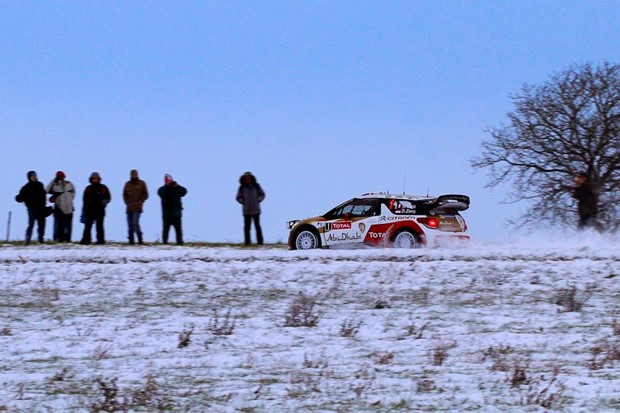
(62,194)
(250,195)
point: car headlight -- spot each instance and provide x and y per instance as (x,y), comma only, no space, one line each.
(292,223)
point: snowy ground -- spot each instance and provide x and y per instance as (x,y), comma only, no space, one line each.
(531,326)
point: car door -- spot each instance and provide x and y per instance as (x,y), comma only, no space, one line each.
(348,225)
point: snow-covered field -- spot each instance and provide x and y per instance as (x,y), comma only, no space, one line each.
(526,326)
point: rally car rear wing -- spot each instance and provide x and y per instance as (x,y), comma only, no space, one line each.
(450,202)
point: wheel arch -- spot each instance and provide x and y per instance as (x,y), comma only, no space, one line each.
(304,227)
(411,227)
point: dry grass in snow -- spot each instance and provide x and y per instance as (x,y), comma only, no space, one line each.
(492,328)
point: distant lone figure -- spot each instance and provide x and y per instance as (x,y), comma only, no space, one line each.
(172,208)
(587,201)
(96,198)
(250,195)
(135,193)
(33,195)
(63,194)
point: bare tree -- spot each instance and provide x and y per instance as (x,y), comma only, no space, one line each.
(569,125)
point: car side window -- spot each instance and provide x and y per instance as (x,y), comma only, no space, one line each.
(365,208)
(355,208)
(347,209)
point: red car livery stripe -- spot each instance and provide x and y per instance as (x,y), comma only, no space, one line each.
(379,234)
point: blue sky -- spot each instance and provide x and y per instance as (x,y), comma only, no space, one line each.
(322,100)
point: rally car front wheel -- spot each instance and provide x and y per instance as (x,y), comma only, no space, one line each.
(306,240)
(405,239)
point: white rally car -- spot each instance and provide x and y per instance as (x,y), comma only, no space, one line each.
(381,219)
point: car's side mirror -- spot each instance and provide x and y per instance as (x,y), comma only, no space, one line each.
(346,216)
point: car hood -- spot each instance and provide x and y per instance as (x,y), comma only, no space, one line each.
(296,222)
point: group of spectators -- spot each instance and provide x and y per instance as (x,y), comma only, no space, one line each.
(250,194)
(96,198)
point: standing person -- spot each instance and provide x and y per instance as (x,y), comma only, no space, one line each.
(250,195)
(134,195)
(96,198)
(587,201)
(33,195)
(63,194)
(172,208)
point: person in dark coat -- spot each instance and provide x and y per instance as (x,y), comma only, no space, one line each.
(33,195)
(250,195)
(587,201)
(172,208)
(96,198)
(135,193)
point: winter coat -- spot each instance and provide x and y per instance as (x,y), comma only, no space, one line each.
(587,202)
(63,194)
(33,195)
(134,194)
(171,205)
(250,195)
(96,198)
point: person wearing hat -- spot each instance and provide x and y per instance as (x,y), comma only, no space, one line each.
(250,195)
(172,208)
(62,195)
(135,193)
(96,198)
(33,195)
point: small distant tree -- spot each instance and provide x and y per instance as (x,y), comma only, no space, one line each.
(567,126)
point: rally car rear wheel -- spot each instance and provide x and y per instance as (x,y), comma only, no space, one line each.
(405,239)
(306,240)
